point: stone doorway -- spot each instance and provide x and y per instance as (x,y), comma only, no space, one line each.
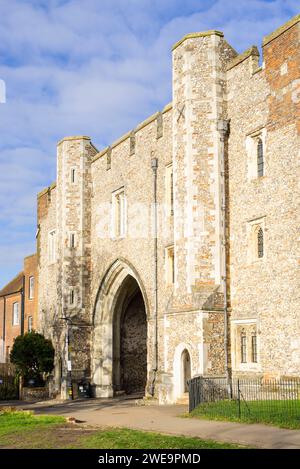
(119,342)
(130,340)
(186,370)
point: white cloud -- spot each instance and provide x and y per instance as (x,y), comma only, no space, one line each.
(95,68)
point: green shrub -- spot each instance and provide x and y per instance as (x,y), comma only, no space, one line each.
(33,356)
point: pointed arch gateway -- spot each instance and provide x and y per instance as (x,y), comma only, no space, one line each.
(119,352)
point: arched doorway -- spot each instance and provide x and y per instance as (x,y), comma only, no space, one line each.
(130,340)
(119,354)
(186,370)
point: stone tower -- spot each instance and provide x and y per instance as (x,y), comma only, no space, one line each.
(199,123)
(73,224)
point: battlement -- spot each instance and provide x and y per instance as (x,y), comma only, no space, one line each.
(46,190)
(75,137)
(251,52)
(282,29)
(132,132)
(196,35)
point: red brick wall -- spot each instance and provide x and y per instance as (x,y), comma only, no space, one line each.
(11,331)
(30,308)
(30,305)
(1,327)
(282,65)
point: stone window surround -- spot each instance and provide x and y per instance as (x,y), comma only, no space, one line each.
(253,227)
(247,325)
(169,265)
(122,216)
(251,150)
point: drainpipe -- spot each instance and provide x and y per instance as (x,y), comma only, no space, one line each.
(154,165)
(4,326)
(22,306)
(223,128)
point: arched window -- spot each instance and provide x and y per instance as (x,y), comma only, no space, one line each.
(260,243)
(260,158)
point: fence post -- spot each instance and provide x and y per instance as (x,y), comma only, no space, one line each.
(239,397)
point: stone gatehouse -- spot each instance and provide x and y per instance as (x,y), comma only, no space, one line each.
(174,251)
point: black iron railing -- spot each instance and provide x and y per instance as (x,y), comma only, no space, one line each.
(255,400)
(9,387)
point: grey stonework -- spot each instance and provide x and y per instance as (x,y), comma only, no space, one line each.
(221,103)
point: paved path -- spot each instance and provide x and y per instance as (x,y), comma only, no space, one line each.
(166,419)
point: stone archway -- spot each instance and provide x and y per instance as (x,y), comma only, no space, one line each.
(182,370)
(119,355)
(130,341)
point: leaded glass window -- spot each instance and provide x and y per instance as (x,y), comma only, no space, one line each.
(254,348)
(243,348)
(260,243)
(260,158)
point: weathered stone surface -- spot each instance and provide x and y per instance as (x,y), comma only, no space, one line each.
(133,356)
(222,103)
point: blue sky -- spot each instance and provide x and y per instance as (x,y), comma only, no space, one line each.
(92,67)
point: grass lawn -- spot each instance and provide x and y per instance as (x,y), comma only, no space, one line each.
(284,414)
(123,438)
(15,422)
(24,430)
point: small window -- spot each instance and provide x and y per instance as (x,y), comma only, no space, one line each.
(52,247)
(260,243)
(170,190)
(260,158)
(30,323)
(256,230)
(254,348)
(72,296)
(119,214)
(72,240)
(256,158)
(73,173)
(243,348)
(245,345)
(16,314)
(31,288)
(170,270)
